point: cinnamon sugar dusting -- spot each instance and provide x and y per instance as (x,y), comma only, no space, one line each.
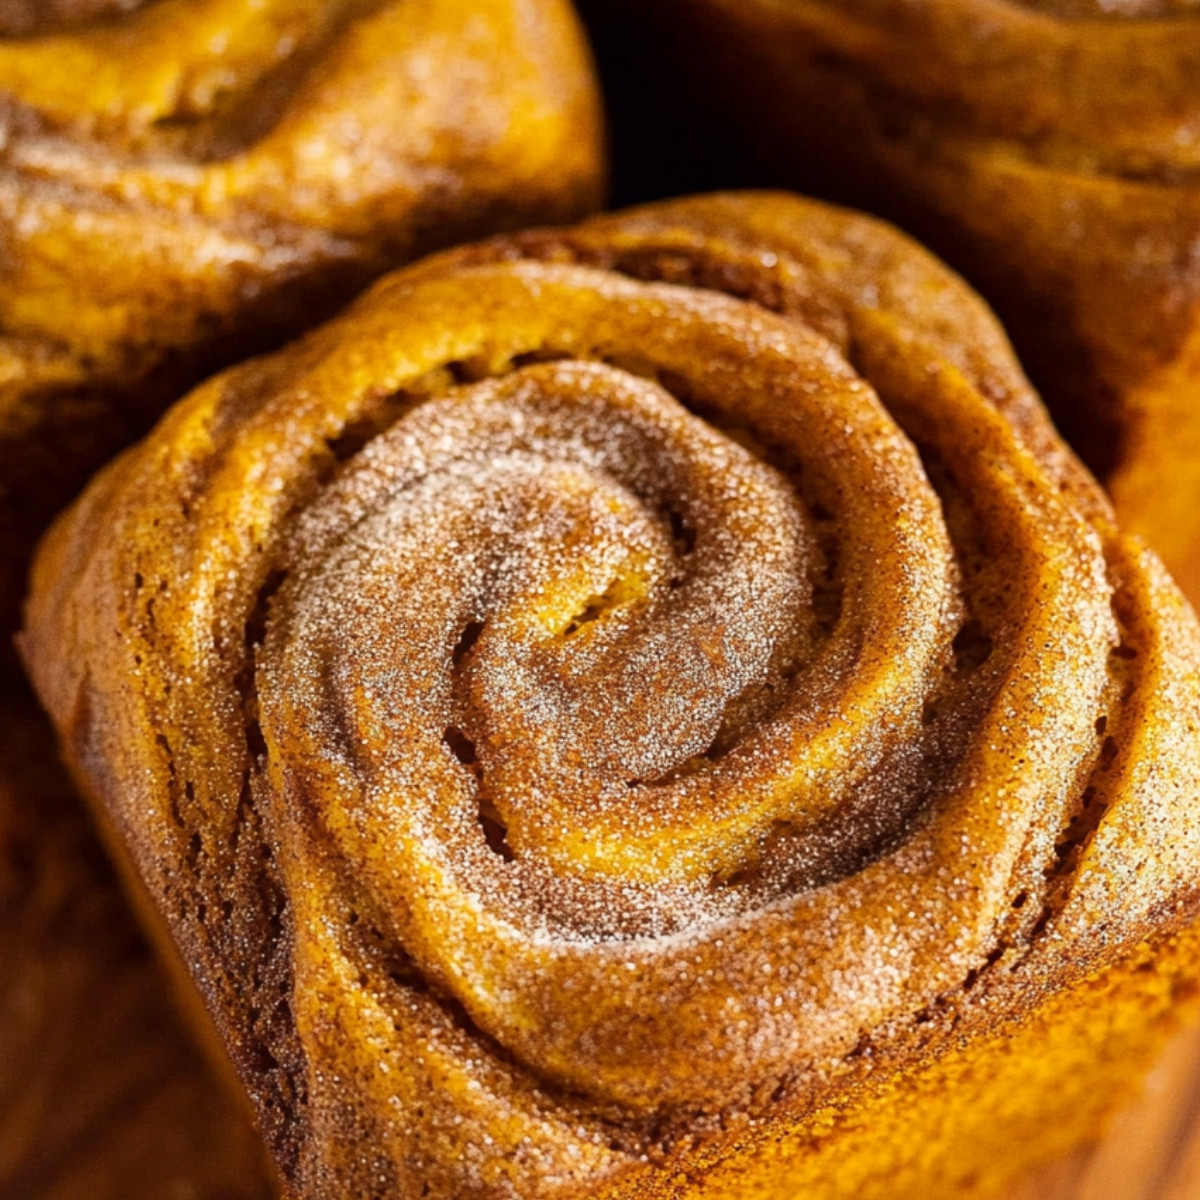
(636,678)
(549,670)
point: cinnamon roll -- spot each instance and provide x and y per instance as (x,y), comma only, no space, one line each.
(644,710)
(183,182)
(1049,149)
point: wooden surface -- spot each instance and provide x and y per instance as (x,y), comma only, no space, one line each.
(1152,1151)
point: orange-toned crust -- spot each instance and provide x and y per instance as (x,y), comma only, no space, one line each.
(618,695)
(1050,150)
(184,182)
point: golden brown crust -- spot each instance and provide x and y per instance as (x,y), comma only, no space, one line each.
(1050,151)
(185,182)
(677,640)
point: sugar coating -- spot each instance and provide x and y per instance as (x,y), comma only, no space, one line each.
(632,680)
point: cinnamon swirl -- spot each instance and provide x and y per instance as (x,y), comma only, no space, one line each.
(644,710)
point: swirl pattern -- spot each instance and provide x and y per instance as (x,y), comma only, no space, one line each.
(677,640)
(186,182)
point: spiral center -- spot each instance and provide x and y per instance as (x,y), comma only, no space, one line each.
(629,577)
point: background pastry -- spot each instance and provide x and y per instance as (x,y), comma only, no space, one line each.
(677,640)
(1047,148)
(187,181)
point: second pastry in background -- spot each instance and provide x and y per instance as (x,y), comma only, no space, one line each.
(1048,148)
(188,181)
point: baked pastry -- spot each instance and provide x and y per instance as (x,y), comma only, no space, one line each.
(185,182)
(1049,150)
(102,1094)
(643,710)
